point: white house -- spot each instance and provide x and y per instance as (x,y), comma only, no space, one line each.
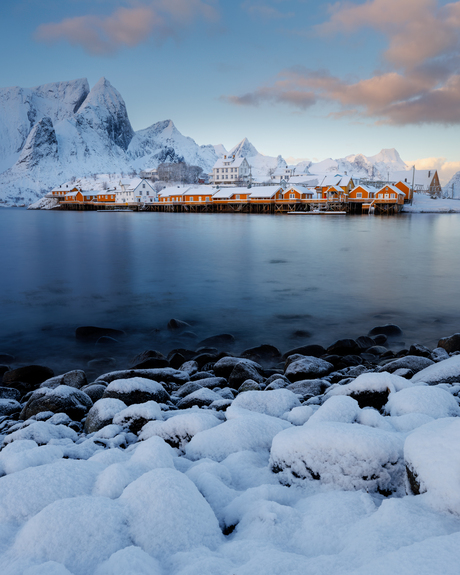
(230,169)
(135,190)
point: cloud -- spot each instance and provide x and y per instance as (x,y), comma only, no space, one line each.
(127,27)
(445,169)
(422,86)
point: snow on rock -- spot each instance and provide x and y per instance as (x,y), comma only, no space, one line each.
(179,429)
(432,455)
(275,402)
(299,415)
(166,514)
(60,399)
(151,454)
(348,456)
(26,453)
(370,389)
(199,397)
(24,493)
(243,430)
(42,432)
(338,408)
(102,413)
(432,401)
(130,560)
(166,374)
(79,532)
(137,415)
(447,371)
(136,390)
(307,367)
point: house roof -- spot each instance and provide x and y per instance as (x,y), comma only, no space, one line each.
(392,188)
(264,191)
(229,162)
(173,191)
(368,189)
(422,178)
(199,191)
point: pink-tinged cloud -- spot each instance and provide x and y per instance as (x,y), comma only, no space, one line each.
(417,30)
(424,50)
(127,27)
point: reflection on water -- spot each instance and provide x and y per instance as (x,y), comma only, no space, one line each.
(266,279)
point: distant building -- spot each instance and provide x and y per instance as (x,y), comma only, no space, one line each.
(229,170)
(135,190)
(426,181)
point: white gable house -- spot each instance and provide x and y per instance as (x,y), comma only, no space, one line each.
(230,169)
(135,190)
(144,192)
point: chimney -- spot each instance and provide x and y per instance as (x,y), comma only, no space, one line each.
(225,157)
(429,173)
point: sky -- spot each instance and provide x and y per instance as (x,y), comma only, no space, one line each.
(301,78)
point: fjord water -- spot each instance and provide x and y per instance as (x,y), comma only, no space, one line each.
(265,279)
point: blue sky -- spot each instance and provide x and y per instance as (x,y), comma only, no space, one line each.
(300,78)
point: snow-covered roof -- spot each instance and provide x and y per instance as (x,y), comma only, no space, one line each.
(229,162)
(306,179)
(334,189)
(301,189)
(71,194)
(422,178)
(330,180)
(345,180)
(89,193)
(130,184)
(199,191)
(264,191)
(173,191)
(392,188)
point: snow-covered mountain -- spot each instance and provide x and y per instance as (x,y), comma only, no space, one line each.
(260,164)
(360,166)
(453,186)
(53,133)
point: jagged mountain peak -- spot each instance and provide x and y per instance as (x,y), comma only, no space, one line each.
(104,109)
(244,149)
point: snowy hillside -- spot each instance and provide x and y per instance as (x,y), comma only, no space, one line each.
(53,133)
(455,183)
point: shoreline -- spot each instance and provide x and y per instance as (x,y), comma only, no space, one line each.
(204,457)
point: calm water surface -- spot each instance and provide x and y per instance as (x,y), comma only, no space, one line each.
(262,278)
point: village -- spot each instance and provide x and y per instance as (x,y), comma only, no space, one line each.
(232,188)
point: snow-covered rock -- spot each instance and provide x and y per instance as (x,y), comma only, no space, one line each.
(430,400)
(348,456)
(447,371)
(432,455)
(275,402)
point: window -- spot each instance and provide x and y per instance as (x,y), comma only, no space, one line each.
(359,194)
(237,197)
(292,196)
(387,196)
(143,185)
(199,199)
(392,196)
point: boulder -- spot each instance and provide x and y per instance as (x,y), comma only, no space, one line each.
(439,354)
(136,390)
(6,358)
(345,455)
(389,329)
(307,367)
(307,350)
(10,393)
(446,371)
(306,388)
(225,365)
(102,414)
(451,343)
(3,369)
(92,333)
(243,371)
(75,378)
(429,453)
(95,391)
(187,388)
(31,376)
(380,339)
(177,324)
(420,350)
(212,382)
(413,362)
(201,397)
(364,342)
(62,399)
(152,363)
(136,416)
(165,374)
(190,367)
(219,341)
(262,354)
(9,406)
(343,347)
(250,385)
(275,403)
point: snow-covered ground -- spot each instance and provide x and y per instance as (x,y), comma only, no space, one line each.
(274,485)
(426,205)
